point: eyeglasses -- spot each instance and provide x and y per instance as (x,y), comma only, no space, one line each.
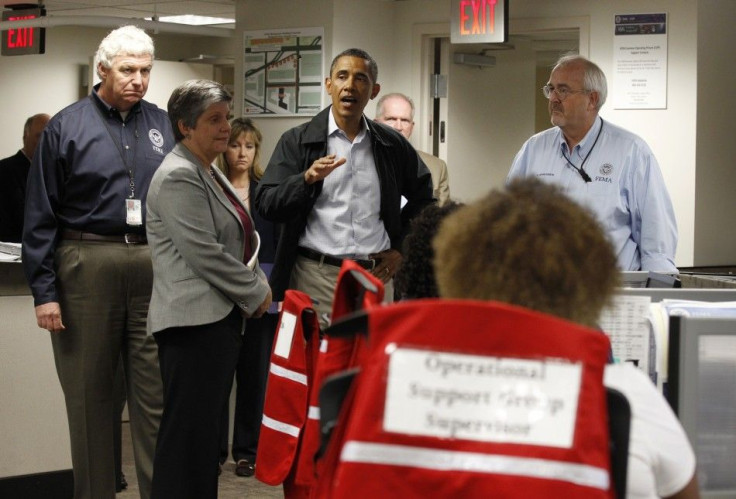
(562,92)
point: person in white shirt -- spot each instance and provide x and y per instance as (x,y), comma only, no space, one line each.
(336,185)
(530,245)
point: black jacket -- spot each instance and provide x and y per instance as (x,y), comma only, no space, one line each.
(283,196)
(13,173)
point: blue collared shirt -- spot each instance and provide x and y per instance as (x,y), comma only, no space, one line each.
(627,192)
(345,220)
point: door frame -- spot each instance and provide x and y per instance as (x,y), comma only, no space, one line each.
(423,51)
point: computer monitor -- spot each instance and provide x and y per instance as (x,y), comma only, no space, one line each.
(702,374)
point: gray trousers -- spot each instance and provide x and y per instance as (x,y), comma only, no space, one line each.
(104,290)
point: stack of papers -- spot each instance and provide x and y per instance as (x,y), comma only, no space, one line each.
(639,329)
(9,252)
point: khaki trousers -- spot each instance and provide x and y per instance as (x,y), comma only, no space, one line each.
(319,280)
(104,290)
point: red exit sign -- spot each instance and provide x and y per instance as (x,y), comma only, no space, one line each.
(479,21)
(23,41)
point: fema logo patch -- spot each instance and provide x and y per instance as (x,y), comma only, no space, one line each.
(606,169)
(156,137)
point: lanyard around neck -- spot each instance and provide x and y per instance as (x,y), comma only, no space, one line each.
(130,168)
(580,169)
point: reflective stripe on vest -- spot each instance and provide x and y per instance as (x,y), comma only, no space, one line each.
(446,460)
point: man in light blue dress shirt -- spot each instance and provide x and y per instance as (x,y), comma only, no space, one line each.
(605,168)
(335,184)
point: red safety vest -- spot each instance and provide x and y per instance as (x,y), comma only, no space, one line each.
(356,289)
(290,435)
(432,411)
(291,370)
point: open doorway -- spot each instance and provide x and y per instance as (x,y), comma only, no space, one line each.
(490,110)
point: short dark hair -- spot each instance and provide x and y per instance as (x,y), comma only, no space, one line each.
(528,245)
(372,66)
(192,98)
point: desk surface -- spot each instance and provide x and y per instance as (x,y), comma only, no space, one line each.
(35,434)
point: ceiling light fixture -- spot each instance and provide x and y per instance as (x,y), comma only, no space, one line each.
(193,20)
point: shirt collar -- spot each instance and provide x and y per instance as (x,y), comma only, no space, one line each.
(107,108)
(584,146)
(332,127)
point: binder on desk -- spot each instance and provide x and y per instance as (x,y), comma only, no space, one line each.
(9,252)
(10,248)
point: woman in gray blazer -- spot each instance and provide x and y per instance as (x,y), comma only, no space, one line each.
(206,281)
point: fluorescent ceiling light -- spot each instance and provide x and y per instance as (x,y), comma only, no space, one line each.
(193,20)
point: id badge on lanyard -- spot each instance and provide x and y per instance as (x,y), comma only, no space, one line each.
(133,212)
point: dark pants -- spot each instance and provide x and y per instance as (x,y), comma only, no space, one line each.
(197,365)
(250,378)
(117,422)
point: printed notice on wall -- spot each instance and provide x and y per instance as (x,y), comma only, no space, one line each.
(283,72)
(640,61)
(482,398)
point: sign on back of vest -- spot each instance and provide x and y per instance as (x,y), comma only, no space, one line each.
(482,398)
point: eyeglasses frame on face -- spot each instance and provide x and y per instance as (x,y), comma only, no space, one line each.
(563,93)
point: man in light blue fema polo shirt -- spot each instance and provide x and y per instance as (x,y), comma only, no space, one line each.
(604,167)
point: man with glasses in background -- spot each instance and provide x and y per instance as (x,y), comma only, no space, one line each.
(604,167)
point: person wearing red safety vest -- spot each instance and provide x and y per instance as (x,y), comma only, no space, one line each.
(290,430)
(287,393)
(356,289)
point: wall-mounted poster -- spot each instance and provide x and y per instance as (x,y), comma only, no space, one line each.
(640,61)
(283,72)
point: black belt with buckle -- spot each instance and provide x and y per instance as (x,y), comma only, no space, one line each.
(333,260)
(129,238)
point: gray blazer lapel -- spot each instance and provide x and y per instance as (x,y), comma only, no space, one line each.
(209,181)
(225,183)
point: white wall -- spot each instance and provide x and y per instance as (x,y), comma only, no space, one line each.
(43,83)
(491,111)
(376,38)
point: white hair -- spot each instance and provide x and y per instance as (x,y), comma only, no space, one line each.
(127,40)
